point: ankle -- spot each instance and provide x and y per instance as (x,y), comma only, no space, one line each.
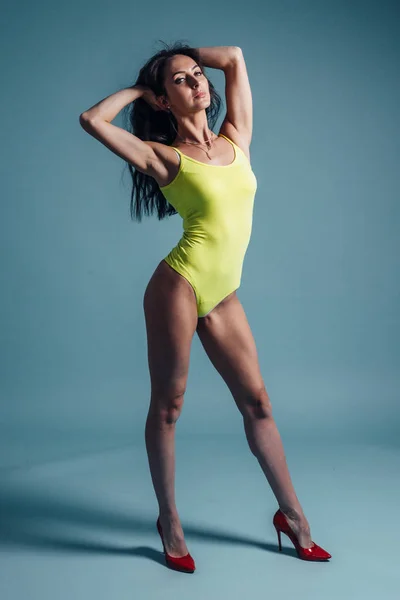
(168,514)
(294,514)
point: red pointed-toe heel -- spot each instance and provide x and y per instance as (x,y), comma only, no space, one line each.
(178,563)
(314,553)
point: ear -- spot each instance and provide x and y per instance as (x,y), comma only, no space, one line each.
(162,103)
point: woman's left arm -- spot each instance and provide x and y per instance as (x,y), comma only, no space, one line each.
(239,103)
(218,57)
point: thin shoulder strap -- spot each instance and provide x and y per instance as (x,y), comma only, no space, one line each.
(226,137)
(178,151)
(236,147)
(229,140)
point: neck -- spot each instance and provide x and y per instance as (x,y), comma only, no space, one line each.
(194,129)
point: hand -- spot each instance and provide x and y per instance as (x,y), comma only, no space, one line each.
(149,96)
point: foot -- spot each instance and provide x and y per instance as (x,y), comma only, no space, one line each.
(174,540)
(299,525)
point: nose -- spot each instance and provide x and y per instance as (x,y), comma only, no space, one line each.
(195,80)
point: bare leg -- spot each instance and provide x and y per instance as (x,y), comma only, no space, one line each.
(228,340)
(171,318)
(160,445)
(266,444)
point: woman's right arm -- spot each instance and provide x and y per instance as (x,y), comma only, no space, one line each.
(96,122)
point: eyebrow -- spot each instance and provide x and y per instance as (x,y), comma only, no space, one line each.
(173,75)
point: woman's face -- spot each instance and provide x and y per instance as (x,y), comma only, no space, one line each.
(184,79)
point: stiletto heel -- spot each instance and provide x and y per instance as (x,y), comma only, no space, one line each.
(314,553)
(279,539)
(178,563)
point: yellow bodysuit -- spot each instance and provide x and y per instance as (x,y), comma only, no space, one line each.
(216,205)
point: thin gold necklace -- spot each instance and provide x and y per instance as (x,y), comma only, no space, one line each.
(208,141)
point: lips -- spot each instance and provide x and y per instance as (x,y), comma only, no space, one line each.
(199,95)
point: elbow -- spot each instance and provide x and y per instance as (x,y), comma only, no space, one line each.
(84,119)
(86,122)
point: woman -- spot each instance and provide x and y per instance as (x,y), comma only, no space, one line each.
(212,186)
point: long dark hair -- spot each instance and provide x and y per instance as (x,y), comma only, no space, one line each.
(159,126)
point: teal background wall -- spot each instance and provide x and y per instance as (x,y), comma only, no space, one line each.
(320,282)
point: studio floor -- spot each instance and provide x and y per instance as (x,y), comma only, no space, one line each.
(86,527)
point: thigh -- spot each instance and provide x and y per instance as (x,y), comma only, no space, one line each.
(171,319)
(229,343)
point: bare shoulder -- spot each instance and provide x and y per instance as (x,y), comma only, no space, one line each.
(231,132)
(164,164)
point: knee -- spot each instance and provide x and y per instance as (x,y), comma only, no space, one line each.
(166,408)
(171,413)
(258,405)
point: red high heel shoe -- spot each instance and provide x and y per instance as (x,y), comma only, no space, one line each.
(179,563)
(314,553)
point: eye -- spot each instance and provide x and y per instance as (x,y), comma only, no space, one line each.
(180,78)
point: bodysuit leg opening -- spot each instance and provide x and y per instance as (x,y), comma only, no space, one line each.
(189,282)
